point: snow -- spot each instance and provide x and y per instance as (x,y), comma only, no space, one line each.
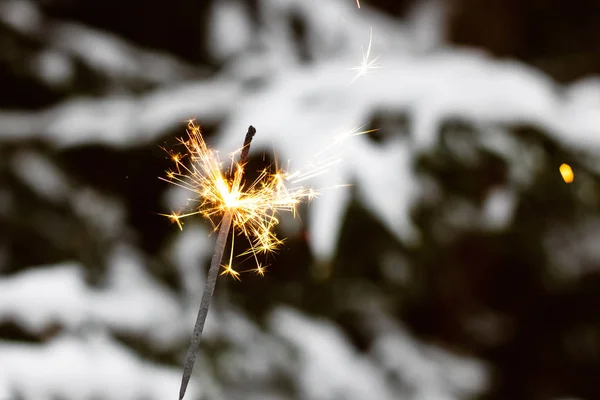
(230,30)
(120,120)
(305,107)
(387,185)
(191,249)
(40,297)
(254,355)
(54,67)
(21,15)
(70,367)
(498,208)
(104,214)
(579,119)
(301,109)
(421,370)
(135,303)
(330,368)
(304,110)
(102,52)
(41,175)
(322,352)
(57,295)
(116,58)
(429,23)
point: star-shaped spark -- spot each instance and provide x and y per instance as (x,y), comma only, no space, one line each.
(367,64)
(253,206)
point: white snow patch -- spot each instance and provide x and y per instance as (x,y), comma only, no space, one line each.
(387,185)
(105,214)
(41,175)
(189,252)
(74,368)
(427,21)
(329,367)
(22,15)
(498,208)
(111,55)
(53,67)
(121,120)
(131,302)
(231,30)
(428,371)
(37,298)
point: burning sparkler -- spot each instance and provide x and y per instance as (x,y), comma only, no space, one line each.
(366,65)
(253,207)
(250,210)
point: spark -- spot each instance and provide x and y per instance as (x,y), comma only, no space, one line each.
(248,209)
(567,173)
(318,166)
(340,138)
(254,206)
(260,270)
(366,64)
(174,218)
(358,3)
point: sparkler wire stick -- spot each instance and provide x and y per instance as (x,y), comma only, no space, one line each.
(211,280)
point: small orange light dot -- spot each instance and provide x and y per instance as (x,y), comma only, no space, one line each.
(567,173)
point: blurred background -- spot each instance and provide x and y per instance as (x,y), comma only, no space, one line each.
(458,264)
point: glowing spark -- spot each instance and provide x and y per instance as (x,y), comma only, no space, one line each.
(260,270)
(358,3)
(247,209)
(322,166)
(231,272)
(366,64)
(253,206)
(567,173)
(174,217)
(342,137)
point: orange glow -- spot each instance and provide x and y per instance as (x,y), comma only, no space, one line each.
(567,173)
(254,206)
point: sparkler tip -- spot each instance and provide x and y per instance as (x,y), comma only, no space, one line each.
(246,148)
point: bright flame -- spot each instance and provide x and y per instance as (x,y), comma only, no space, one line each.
(366,65)
(253,207)
(567,173)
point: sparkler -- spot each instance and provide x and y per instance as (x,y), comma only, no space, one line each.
(366,65)
(250,210)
